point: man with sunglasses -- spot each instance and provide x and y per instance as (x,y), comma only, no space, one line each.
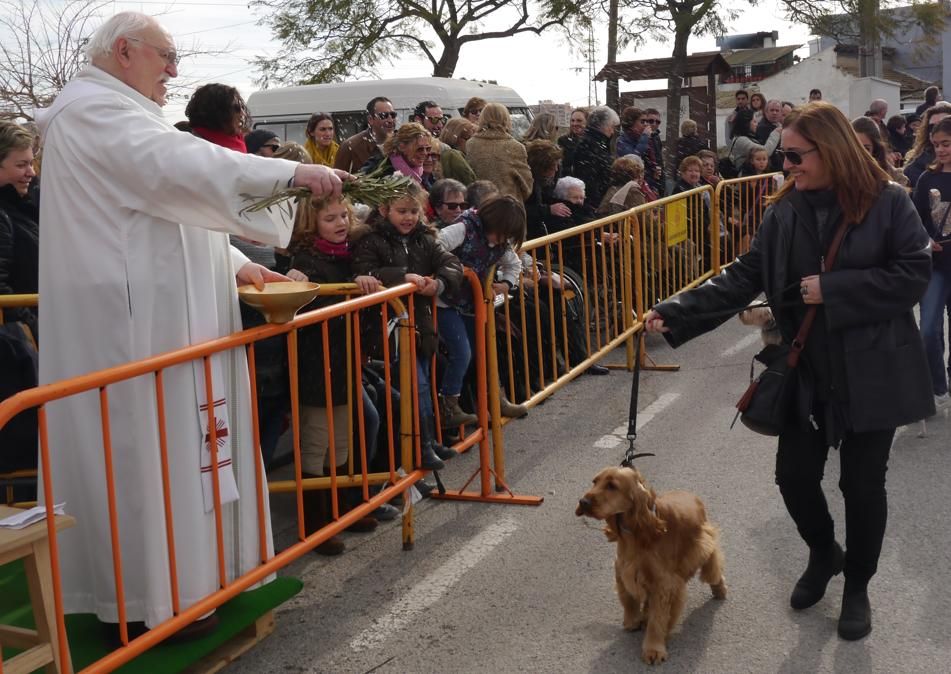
(452,163)
(135,261)
(357,150)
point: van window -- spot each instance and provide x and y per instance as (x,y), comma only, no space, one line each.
(347,124)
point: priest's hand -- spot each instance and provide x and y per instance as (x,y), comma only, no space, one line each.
(257,275)
(322,180)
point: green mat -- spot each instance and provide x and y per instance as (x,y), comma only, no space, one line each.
(85,633)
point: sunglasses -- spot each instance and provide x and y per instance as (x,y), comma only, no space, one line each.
(437,120)
(384,115)
(794,157)
(274,146)
(456,205)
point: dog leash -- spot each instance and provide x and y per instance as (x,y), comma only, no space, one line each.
(631,453)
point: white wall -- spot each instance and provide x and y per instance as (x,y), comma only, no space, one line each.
(866,89)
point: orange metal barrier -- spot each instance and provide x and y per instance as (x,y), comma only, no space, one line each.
(202,353)
(740,204)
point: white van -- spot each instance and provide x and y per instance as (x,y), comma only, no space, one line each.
(285,111)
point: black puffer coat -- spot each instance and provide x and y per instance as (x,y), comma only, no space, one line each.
(19,251)
(388,256)
(592,165)
(321,267)
(865,321)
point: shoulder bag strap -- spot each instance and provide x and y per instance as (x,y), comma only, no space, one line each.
(800,341)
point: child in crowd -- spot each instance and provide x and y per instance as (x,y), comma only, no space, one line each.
(396,246)
(320,249)
(490,235)
(749,199)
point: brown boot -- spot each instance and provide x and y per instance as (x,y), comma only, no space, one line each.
(317,514)
(453,415)
(510,409)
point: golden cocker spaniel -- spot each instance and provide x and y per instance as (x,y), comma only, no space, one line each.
(662,541)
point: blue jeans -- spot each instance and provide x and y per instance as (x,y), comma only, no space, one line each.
(932,327)
(425,390)
(455,335)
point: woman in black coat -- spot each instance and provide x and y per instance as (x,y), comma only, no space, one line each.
(863,371)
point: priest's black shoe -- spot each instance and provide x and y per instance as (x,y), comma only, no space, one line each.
(855,621)
(811,586)
(597,369)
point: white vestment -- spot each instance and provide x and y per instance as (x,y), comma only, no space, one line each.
(135,261)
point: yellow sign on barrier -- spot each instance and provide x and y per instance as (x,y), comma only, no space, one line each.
(675,218)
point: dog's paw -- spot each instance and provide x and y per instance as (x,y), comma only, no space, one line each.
(719,590)
(654,655)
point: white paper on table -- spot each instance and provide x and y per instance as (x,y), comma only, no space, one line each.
(24,519)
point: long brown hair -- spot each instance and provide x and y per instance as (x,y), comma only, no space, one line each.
(856,178)
(923,134)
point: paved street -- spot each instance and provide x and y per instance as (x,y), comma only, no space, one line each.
(520,589)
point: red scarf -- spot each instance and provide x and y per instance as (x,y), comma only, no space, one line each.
(341,251)
(230,141)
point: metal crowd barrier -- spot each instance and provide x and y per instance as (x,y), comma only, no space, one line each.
(740,204)
(202,353)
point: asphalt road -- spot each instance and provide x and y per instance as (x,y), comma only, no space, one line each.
(530,589)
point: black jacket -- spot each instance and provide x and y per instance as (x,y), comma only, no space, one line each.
(882,270)
(592,165)
(321,267)
(385,255)
(914,170)
(19,251)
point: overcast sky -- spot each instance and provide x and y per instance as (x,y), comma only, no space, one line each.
(537,67)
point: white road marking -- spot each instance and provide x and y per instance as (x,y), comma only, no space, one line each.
(742,345)
(619,434)
(428,591)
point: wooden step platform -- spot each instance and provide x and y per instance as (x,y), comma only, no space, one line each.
(231,650)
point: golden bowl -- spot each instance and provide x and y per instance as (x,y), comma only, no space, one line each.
(279,301)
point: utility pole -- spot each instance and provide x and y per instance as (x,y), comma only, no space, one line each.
(592,68)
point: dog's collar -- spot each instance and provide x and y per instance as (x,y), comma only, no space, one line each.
(619,523)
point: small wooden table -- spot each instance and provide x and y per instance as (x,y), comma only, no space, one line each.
(41,645)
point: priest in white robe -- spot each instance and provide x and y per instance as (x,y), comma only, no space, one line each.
(135,261)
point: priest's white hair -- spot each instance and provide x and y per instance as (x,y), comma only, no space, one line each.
(121,25)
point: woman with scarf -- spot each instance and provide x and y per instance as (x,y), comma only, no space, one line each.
(320,144)
(405,152)
(863,370)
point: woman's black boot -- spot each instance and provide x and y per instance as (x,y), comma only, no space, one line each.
(855,621)
(811,586)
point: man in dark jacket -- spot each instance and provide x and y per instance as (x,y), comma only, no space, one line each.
(356,151)
(593,157)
